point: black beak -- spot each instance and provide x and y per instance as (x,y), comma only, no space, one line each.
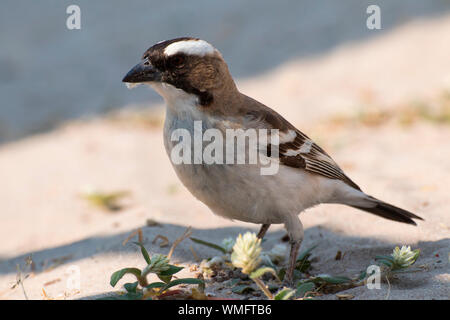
(142,72)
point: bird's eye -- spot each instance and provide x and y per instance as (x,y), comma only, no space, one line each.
(146,62)
(177,61)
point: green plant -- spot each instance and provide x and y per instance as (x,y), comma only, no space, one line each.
(400,259)
(209,244)
(246,256)
(303,263)
(157,264)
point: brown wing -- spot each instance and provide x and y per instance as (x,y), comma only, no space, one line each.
(304,153)
(295,149)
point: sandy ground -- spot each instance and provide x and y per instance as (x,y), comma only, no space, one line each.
(42,176)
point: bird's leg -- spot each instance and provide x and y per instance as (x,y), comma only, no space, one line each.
(289,277)
(295,230)
(263,230)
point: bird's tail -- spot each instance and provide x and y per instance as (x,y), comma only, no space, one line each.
(388,211)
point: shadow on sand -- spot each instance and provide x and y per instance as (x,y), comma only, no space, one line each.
(358,252)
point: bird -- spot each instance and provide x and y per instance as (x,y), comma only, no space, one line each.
(193,78)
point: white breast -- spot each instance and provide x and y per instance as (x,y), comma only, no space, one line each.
(239,191)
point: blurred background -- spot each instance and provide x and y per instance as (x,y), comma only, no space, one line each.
(82,162)
(49,74)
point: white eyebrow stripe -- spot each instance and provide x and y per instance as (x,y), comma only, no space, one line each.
(189,47)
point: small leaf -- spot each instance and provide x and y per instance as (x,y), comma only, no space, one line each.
(242,289)
(282,273)
(302,263)
(385,262)
(144,252)
(166,279)
(305,253)
(337,280)
(172,270)
(131,287)
(388,258)
(303,288)
(209,244)
(182,281)
(155,285)
(406,270)
(273,287)
(362,275)
(261,271)
(330,279)
(116,276)
(284,294)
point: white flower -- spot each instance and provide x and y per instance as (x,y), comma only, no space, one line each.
(228,244)
(404,257)
(246,252)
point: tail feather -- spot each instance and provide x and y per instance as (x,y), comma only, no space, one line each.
(390,212)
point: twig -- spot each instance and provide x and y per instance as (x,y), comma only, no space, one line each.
(196,258)
(389,288)
(135,232)
(187,233)
(20,281)
(165,240)
(263,287)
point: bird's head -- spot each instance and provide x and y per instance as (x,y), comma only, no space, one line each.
(183,67)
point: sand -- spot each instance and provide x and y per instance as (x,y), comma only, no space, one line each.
(42,177)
